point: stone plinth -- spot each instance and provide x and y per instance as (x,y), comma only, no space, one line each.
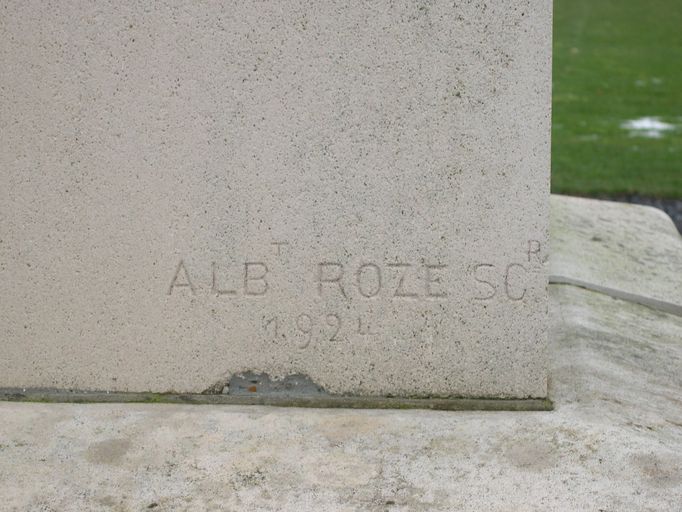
(355,194)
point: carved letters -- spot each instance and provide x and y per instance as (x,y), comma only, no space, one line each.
(253,277)
(368,281)
(335,281)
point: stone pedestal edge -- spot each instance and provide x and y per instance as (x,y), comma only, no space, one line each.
(331,402)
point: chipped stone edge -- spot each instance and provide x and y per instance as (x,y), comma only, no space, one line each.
(319,402)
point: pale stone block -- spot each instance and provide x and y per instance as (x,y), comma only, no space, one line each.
(351,192)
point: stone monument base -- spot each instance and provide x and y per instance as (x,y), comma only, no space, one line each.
(613,441)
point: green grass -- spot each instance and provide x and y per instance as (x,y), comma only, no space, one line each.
(616,60)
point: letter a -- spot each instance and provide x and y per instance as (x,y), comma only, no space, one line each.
(176,284)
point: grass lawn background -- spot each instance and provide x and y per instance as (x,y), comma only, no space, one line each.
(614,61)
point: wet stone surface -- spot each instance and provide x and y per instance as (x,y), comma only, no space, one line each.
(250,383)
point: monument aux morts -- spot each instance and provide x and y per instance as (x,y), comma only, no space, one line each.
(221,197)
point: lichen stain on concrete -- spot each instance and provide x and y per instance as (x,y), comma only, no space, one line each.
(658,470)
(110,451)
(534,455)
(249,479)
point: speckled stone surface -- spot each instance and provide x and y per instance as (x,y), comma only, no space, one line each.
(672,207)
(356,192)
(613,443)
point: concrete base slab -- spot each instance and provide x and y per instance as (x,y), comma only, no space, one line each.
(612,443)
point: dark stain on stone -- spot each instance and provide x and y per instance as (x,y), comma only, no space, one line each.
(261,384)
(111,451)
(658,470)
